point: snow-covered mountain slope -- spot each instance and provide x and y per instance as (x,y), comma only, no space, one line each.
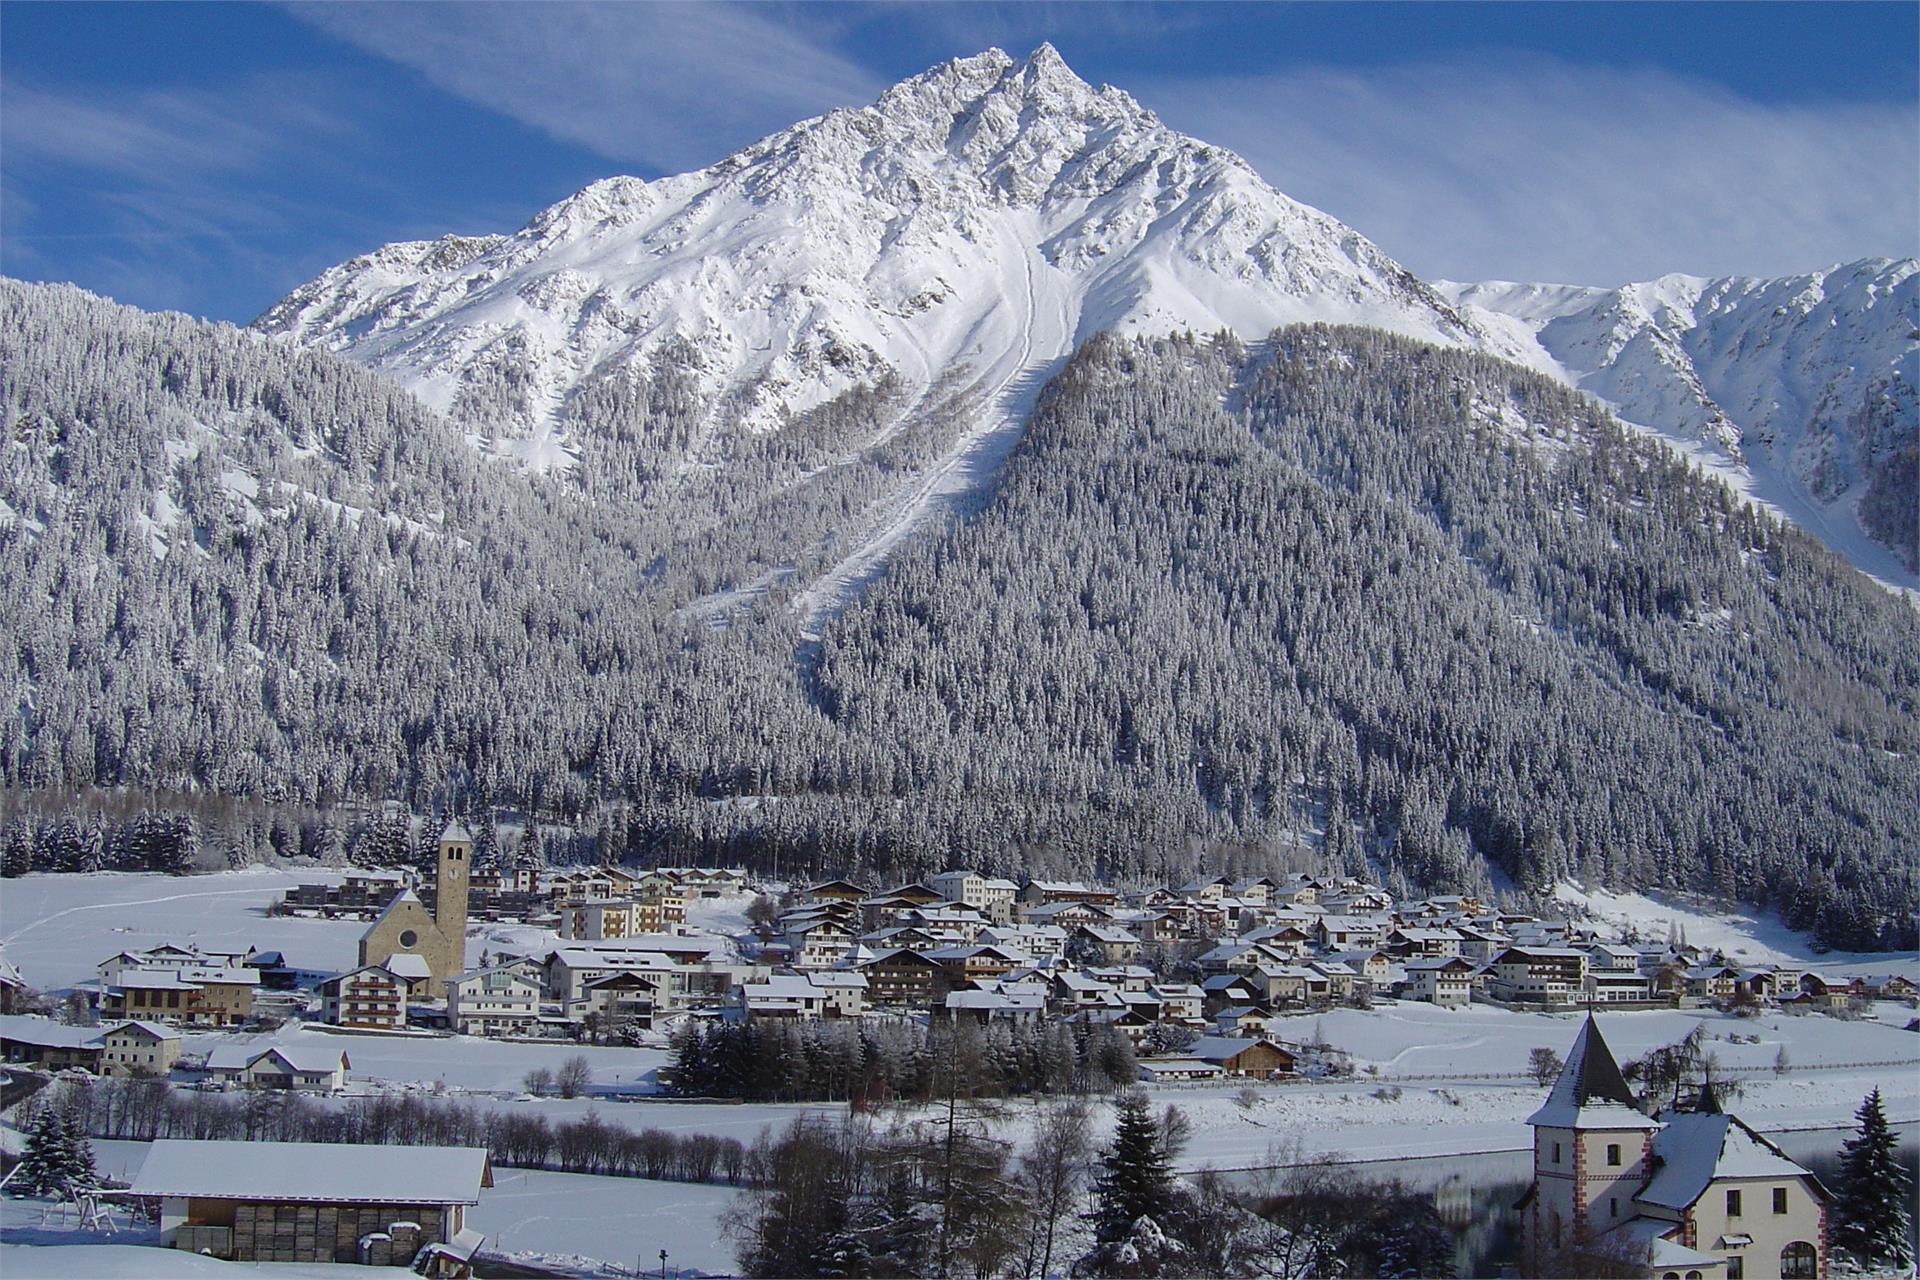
(1800,389)
(991,212)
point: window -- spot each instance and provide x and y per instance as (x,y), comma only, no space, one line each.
(1733,1204)
(408,937)
(1693,1275)
(1736,1268)
(1798,1261)
(1613,1153)
(1556,1153)
(1613,1206)
(1779,1199)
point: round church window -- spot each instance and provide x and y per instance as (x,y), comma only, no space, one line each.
(408,937)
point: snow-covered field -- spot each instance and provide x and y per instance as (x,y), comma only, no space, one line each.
(619,1220)
(57,928)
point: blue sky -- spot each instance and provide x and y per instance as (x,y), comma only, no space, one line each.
(210,157)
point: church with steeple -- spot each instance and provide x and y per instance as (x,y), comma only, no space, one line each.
(427,947)
(1686,1195)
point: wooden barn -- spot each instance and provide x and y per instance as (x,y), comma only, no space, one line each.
(318,1202)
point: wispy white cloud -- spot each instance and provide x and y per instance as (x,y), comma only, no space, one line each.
(1537,170)
(175,187)
(667,85)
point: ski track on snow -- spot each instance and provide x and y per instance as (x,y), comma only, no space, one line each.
(116,906)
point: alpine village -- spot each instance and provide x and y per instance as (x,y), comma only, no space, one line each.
(969,690)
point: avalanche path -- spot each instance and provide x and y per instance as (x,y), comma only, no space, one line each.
(1037,346)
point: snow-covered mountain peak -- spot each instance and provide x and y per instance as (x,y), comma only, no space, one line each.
(986,214)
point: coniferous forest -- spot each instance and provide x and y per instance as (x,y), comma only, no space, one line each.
(1337,599)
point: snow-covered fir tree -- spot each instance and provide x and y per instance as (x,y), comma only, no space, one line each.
(1873,1215)
(57,1157)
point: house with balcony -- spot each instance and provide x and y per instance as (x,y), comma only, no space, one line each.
(1552,977)
(494,1001)
(201,997)
(1443,980)
(371,998)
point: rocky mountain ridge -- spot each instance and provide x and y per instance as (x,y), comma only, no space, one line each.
(1800,389)
(981,220)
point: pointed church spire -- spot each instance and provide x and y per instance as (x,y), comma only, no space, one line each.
(1591,1088)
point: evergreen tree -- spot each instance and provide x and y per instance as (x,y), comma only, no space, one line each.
(58,1157)
(92,855)
(16,848)
(1872,1216)
(75,1149)
(1134,1180)
(40,1159)
(60,843)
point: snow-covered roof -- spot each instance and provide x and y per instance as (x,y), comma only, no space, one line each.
(1080,982)
(1439,962)
(310,1056)
(365,968)
(1183,1066)
(1221,1048)
(413,968)
(46,1033)
(619,980)
(1547,950)
(456,832)
(1009,1000)
(906,954)
(309,1172)
(1696,1147)
(465,1243)
(779,986)
(511,970)
(303,1056)
(595,958)
(1108,936)
(152,1029)
(1591,1092)
(171,979)
(1647,1237)
(1225,980)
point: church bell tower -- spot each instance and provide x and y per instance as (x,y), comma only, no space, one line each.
(454,867)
